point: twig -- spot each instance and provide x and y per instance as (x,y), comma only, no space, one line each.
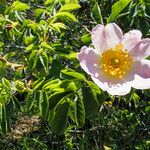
(11,65)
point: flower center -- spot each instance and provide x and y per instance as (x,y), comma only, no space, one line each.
(116,62)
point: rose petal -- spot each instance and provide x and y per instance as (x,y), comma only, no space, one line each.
(114,35)
(131,38)
(141,49)
(142,76)
(115,87)
(99,38)
(119,88)
(106,37)
(144,68)
(89,60)
(100,83)
(141,83)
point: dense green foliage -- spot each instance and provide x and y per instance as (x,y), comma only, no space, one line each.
(40,76)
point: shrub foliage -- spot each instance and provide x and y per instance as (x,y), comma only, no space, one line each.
(40,75)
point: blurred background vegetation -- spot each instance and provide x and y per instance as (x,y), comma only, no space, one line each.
(46,100)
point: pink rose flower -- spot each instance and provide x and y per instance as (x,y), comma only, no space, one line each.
(118,61)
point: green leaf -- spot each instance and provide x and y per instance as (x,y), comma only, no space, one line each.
(3,6)
(60,86)
(1,112)
(71,112)
(69,7)
(39,11)
(147,92)
(2,20)
(66,15)
(33,59)
(47,2)
(59,121)
(50,115)
(101,97)
(38,83)
(1,43)
(34,26)
(46,45)
(68,85)
(117,8)
(29,40)
(30,100)
(96,14)
(79,112)
(3,99)
(56,97)
(94,87)
(17,103)
(86,38)
(55,68)
(43,104)
(44,60)
(17,32)
(26,22)
(57,26)
(30,47)
(144,26)
(51,84)
(6,82)
(19,6)
(70,74)
(90,101)
(4,124)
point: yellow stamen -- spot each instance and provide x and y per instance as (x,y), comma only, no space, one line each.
(116,62)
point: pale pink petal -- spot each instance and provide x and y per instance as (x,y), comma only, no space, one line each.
(141,49)
(141,83)
(142,75)
(106,37)
(114,35)
(144,68)
(99,82)
(99,38)
(119,88)
(131,38)
(89,60)
(113,87)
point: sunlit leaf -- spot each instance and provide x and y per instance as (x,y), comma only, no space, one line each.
(96,14)
(47,2)
(70,74)
(57,26)
(39,11)
(6,82)
(33,59)
(66,15)
(69,6)
(117,8)
(38,83)
(19,6)
(86,38)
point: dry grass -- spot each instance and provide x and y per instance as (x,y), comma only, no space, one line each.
(24,125)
